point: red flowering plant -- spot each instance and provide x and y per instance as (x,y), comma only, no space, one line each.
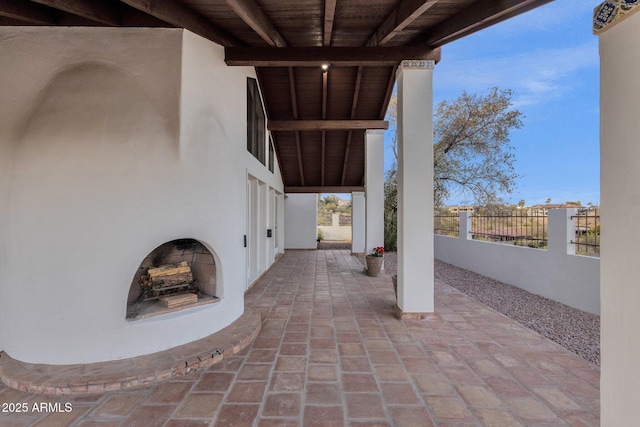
(378,251)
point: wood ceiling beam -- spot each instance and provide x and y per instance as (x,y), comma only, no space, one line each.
(176,13)
(354,106)
(294,109)
(387,96)
(346,158)
(478,15)
(94,10)
(402,16)
(299,153)
(324,189)
(253,15)
(316,56)
(26,12)
(324,125)
(322,162)
(329,15)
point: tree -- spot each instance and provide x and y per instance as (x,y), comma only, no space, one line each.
(472,154)
(391,209)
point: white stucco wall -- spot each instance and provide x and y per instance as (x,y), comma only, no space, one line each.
(573,280)
(301,221)
(620,188)
(119,140)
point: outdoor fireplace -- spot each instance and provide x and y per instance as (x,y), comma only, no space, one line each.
(176,275)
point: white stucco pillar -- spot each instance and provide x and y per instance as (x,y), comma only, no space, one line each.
(358,219)
(562,230)
(415,189)
(620,197)
(374,189)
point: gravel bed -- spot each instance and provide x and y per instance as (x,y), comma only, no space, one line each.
(576,330)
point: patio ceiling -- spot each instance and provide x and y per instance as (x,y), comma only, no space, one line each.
(317,119)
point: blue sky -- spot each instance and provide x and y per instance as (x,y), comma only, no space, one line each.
(549,58)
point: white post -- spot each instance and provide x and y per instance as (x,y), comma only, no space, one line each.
(562,230)
(465,226)
(358,219)
(374,189)
(620,197)
(415,189)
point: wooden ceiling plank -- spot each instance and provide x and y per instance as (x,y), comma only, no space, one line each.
(476,16)
(329,15)
(27,12)
(324,189)
(316,56)
(253,15)
(325,125)
(176,13)
(94,10)
(406,12)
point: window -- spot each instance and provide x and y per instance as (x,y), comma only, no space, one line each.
(255,122)
(272,155)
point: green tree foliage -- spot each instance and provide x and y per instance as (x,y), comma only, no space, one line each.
(391,209)
(471,151)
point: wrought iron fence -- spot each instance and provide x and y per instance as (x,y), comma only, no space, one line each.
(512,227)
(587,237)
(447,224)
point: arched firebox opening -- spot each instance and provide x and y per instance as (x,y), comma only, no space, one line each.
(175,275)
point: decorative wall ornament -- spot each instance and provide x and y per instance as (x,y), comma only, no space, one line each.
(421,64)
(611,12)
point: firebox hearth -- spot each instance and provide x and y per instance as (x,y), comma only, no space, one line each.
(174,276)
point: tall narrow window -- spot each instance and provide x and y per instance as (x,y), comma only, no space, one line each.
(255,122)
(272,155)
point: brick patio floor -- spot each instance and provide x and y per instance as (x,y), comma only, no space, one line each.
(331,353)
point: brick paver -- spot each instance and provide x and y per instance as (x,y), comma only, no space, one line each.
(331,353)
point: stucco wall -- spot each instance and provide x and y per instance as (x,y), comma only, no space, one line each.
(119,140)
(301,221)
(573,280)
(620,188)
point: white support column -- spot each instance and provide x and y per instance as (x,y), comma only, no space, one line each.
(620,198)
(358,219)
(374,189)
(562,230)
(464,228)
(415,189)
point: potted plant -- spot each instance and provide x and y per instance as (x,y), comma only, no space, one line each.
(374,261)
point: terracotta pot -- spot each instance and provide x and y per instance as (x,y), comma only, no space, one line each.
(374,265)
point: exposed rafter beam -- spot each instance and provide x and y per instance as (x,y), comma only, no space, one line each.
(324,189)
(325,125)
(322,162)
(26,12)
(478,15)
(406,12)
(299,152)
(94,10)
(316,56)
(292,90)
(346,158)
(329,14)
(354,106)
(253,15)
(176,13)
(387,96)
